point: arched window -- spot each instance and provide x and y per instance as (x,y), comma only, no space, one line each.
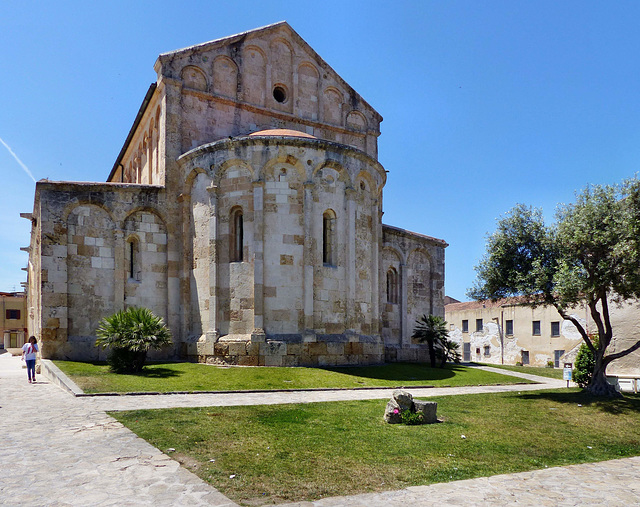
(133,258)
(237,235)
(392,286)
(328,238)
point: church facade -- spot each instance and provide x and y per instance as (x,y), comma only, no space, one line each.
(244,208)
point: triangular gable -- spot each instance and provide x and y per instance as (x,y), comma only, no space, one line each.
(188,54)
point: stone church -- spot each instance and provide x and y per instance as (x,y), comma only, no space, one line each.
(245,209)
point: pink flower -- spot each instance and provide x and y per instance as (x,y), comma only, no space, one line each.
(396,411)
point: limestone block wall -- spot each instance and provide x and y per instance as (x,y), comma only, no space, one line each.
(81,264)
(294,304)
(417,262)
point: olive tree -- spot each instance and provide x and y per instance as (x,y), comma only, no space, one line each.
(590,255)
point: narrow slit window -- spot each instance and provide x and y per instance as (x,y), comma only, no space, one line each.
(237,236)
(133,260)
(392,286)
(328,238)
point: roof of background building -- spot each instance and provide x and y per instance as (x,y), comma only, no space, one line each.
(487,303)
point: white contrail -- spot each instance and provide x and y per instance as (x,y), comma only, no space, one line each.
(26,169)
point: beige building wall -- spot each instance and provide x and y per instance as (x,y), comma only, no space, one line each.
(506,332)
(13,319)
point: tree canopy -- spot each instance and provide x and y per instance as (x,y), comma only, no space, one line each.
(590,255)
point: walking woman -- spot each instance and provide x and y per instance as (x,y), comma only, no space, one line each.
(29,355)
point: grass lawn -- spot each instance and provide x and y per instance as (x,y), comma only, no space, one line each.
(181,377)
(532,370)
(269,454)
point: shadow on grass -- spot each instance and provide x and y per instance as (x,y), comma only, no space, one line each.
(158,372)
(629,404)
(399,371)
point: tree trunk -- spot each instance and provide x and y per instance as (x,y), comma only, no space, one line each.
(599,385)
(432,353)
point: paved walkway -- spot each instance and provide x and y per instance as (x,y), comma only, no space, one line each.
(58,450)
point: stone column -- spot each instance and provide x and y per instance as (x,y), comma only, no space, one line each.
(376,235)
(258,261)
(184,200)
(350,262)
(212,332)
(308,258)
(404,299)
(120,270)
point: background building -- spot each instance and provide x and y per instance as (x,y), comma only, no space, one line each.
(508,332)
(13,319)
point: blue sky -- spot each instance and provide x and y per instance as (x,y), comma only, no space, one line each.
(485,104)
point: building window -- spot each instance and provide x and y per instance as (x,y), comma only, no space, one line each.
(133,259)
(557,354)
(555,329)
(392,286)
(509,327)
(237,236)
(479,325)
(465,326)
(487,350)
(328,237)
(525,357)
(535,328)
(13,314)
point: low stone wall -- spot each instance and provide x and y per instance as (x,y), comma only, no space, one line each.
(411,354)
(289,350)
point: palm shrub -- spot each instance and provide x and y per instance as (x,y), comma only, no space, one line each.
(450,351)
(433,330)
(130,334)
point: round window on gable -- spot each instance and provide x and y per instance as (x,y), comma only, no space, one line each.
(280,94)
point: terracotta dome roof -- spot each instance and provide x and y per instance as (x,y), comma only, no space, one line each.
(282,133)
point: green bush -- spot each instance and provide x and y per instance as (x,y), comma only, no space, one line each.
(585,362)
(411,418)
(130,334)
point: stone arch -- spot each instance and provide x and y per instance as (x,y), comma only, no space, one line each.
(394,252)
(86,202)
(344,176)
(254,75)
(191,176)
(281,60)
(368,179)
(219,172)
(143,209)
(356,121)
(308,86)
(332,101)
(283,160)
(193,77)
(225,77)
